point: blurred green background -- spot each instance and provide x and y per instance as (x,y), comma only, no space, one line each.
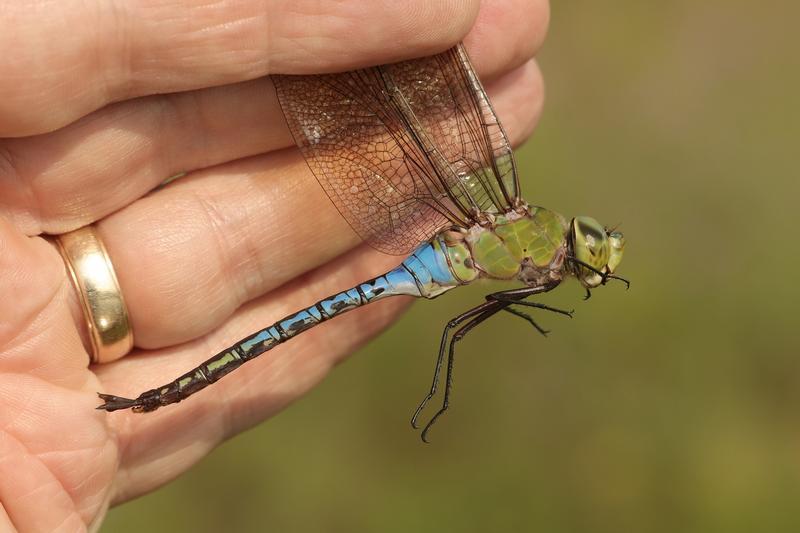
(674,406)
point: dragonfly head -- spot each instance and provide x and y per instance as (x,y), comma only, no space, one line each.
(596,252)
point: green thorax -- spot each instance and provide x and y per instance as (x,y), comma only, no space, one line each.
(512,245)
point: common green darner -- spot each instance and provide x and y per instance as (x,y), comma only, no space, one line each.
(416,161)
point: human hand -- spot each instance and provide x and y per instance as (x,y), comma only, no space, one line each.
(98,105)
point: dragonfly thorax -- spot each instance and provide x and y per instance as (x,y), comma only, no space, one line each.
(527,244)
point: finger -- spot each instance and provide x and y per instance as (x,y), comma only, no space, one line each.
(201,247)
(56,182)
(60,181)
(520,106)
(51,444)
(180,436)
(31,277)
(506,35)
(139,48)
(22,474)
(37,330)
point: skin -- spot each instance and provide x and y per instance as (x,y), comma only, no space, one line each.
(99,103)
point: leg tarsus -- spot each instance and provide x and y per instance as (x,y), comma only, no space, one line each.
(440,359)
(517,297)
(424,434)
(487,312)
(528,319)
(623,280)
(537,305)
(605,274)
(494,303)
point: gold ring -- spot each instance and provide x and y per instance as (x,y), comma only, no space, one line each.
(101,298)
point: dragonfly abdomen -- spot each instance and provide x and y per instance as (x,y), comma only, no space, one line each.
(424,273)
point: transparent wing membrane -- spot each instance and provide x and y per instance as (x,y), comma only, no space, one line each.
(403,150)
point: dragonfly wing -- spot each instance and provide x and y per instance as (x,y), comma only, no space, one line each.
(402,150)
(450,104)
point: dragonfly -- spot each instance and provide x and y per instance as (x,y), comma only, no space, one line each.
(414,158)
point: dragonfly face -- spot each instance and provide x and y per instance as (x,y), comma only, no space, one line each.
(593,245)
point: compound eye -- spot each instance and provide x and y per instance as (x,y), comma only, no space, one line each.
(590,245)
(591,241)
(617,243)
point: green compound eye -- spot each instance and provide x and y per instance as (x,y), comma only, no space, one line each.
(591,246)
(617,243)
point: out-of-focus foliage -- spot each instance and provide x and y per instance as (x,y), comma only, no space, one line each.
(674,406)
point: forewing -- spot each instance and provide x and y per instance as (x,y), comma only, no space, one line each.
(453,110)
(402,150)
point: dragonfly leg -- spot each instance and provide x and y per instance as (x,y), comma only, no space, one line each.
(517,297)
(457,336)
(605,275)
(440,358)
(494,303)
(537,305)
(528,318)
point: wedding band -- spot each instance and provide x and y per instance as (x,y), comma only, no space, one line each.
(101,298)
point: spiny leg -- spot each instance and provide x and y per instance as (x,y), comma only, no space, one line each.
(604,274)
(517,297)
(440,358)
(457,336)
(495,302)
(537,305)
(528,318)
